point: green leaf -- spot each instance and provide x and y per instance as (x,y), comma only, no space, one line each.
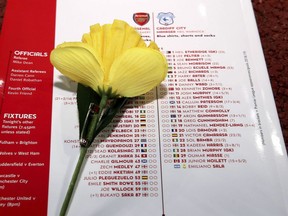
(110,113)
(85,96)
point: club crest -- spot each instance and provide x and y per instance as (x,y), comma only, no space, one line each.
(141,18)
(166,18)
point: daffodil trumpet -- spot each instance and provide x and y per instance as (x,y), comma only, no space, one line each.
(111,64)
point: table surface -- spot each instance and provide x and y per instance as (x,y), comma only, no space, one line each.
(272,20)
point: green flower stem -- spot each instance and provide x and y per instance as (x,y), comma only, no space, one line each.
(83,150)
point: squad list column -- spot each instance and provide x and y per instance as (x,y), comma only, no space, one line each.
(126,162)
(200,120)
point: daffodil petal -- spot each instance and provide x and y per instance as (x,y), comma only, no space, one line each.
(79,62)
(95,38)
(137,71)
(120,38)
(114,41)
(107,37)
(153,45)
(118,34)
(132,39)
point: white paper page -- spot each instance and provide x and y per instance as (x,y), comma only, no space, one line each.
(206,142)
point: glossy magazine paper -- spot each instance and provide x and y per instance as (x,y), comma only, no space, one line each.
(207,141)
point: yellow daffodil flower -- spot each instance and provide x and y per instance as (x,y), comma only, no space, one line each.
(112,59)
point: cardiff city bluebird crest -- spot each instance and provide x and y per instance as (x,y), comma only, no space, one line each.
(166,18)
